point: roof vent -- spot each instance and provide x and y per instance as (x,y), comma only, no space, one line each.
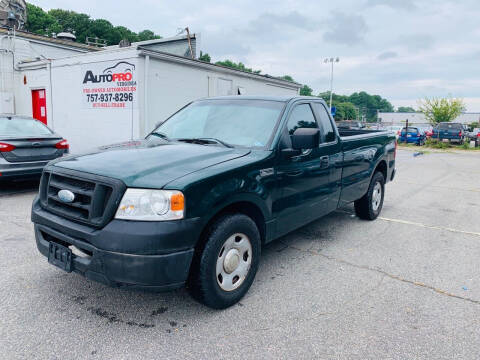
(66,36)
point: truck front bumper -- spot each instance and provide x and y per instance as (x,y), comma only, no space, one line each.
(141,255)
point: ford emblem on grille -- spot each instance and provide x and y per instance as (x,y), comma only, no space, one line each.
(66,196)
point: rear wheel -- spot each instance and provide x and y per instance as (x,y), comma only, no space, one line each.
(370,205)
(225,265)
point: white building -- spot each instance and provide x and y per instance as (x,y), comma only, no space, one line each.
(95,97)
(20,46)
(395,118)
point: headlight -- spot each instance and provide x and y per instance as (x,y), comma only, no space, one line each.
(151,205)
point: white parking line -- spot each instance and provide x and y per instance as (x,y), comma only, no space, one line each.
(406,222)
(439,186)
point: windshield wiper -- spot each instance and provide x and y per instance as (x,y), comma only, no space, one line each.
(160,135)
(206,140)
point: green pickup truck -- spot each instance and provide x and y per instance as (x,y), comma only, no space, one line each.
(193,203)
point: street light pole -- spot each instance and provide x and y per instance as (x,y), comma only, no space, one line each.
(331,61)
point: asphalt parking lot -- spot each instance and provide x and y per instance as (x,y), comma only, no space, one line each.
(405,286)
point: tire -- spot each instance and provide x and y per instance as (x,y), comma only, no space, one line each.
(226,262)
(369,206)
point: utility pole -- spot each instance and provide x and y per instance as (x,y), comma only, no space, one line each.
(406,131)
(189,42)
(331,61)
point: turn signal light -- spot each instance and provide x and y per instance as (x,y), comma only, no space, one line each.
(4,147)
(62,144)
(177,202)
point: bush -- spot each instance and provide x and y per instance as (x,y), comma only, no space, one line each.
(437,144)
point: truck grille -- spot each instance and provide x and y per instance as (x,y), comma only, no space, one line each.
(96,197)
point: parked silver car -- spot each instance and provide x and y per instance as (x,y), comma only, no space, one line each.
(26,146)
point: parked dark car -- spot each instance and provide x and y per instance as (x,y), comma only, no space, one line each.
(195,201)
(26,146)
(449,132)
(412,135)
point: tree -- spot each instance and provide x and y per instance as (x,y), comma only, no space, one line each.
(406,109)
(286,77)
(335,97)
(204,57)
(437,110)
(58,20)
(344,110)
(147,35)
(367,104)
(238,66)
(306,91)
(39,22)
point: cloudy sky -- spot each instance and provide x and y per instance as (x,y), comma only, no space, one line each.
(400,49)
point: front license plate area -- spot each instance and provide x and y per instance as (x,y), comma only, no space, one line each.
(60,256)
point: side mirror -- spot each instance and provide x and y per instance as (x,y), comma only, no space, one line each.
(305,138)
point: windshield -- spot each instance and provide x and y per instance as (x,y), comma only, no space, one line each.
(411,130)
(446,126)
(248,123)
(15,126)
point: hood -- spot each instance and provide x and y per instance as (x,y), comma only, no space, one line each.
(150,164)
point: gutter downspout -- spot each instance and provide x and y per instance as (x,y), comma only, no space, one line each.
(144,123)
(51,92)
(8,50)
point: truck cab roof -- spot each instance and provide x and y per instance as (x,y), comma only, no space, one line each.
(281,98)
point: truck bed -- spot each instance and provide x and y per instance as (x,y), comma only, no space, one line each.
(347,134)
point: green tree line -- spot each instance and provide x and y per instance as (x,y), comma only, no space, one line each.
(57,20)
(359,104)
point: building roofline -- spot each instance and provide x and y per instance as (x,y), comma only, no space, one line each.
(202,64)
(141,51)
(52,41)
(158,41)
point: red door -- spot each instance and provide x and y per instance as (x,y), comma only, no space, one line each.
(39,105)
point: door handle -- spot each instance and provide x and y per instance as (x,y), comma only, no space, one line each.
(324,161)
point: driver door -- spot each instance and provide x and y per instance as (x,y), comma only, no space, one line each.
(303,180)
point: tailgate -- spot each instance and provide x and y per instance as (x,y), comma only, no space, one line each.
(32,149)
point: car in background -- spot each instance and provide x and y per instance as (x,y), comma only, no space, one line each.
(394,129)
(474,135)
(350,125)
(449,132)
(428,130)
(413,135)
(26,146)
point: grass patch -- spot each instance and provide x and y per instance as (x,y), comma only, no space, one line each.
(433,144)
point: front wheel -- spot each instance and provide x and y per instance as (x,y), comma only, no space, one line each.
(370,205)
(225,265)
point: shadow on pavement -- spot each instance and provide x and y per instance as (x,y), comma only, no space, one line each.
(11,187)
